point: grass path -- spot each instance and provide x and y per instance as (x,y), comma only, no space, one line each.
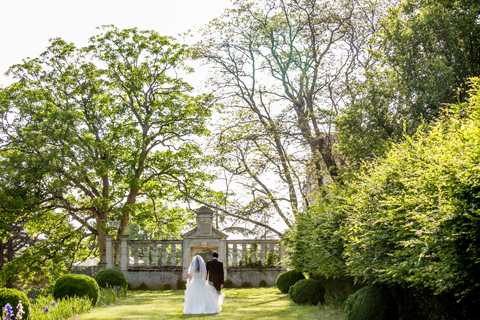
(240,304)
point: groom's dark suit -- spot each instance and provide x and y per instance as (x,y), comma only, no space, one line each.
(215,273)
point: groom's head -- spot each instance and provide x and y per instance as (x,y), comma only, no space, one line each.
(215,255)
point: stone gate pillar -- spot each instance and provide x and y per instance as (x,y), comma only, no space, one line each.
(204,239)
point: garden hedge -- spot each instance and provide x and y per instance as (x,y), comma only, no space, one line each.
(287,279)
(109,278)
(13,297)
(371,303)
(76,285)
(307,291)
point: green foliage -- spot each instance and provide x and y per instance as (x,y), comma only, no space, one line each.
(246,284)
(307,291)
(425,50)
(372,303)
(76,285)
(337,290)
(14,297)
(110,278)
(102,126)
(45,308)
(228,284)
(315,243)
(287,279)
(262,284)
(413,216)
(181,284)
(166,286)
(109,296)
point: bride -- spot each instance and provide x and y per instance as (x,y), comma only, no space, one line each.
(200,296)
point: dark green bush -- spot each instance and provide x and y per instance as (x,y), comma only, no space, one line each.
(228,284)
(315,243)
(166,286)
(371,303)
(413,215)
(337,290)
(109,278)
(181,284)
(287,279)
(263,284)
(13,297)
(307,291)
(246,284)
(76,285)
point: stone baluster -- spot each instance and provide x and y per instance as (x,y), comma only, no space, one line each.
(147,249)
(244,253)
(263,253)
(253,252)
(173,256)
(108,252)
(280,253)
(162,255)
(154,261)
(124,253)
(234,255)
(134,253)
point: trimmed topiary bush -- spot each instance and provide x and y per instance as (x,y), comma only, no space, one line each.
(287,279)
(372,303)
(263,284)
(13,297)
(181,284)
(76,285)
(166,286)
(109,278)
(228,284)
(307,291)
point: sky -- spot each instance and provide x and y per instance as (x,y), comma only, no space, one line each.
(27,25)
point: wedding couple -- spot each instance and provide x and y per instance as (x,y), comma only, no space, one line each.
(204,283)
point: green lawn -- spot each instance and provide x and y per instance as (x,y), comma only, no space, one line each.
(240,304)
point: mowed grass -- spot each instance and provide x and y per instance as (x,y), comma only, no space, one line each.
(240,304)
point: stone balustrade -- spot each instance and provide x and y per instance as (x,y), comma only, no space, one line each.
(254,253)
(144,254)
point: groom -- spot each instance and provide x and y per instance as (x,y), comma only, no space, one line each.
(215,272)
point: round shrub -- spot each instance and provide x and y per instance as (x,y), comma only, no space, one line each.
(287,279)
(372,303)
(307,291)
(263,284)
(76,285)
(181,284)
(109,278)
(228,284)
(13,297)
(246,284)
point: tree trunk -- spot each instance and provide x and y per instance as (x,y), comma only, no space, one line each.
(10,255)
(101,234)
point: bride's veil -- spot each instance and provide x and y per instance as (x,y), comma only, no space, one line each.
(198,266)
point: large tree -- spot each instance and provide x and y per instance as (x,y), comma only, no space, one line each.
(283,69)
(109,123)
(424,51)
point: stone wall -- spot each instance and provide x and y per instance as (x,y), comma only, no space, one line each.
(253,276)
(153,279)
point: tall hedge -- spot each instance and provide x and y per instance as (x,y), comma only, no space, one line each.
(315,244)
(414,217)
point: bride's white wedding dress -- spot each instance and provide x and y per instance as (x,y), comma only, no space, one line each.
(200,296)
